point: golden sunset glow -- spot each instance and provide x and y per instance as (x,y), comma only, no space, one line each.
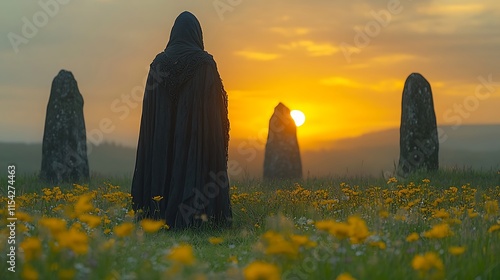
(342,63)
(298,117)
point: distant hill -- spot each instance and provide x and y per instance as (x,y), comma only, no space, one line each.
(106,159)
(473,146)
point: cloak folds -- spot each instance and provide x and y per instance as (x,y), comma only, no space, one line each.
(184,135)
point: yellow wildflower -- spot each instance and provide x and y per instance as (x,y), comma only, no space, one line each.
(151,226)
(32,248)
(58,208)
(131,213)
(438,231)
(328,201)
(491,207)
(412,237)
(76,226)
(79,188)
(157,198)
(259,270)
(108,244)
(91,220)
(215,240)
(302,240)
(84,204)
(380,244)
(392,180)
(426,181)
(383,214)
(325,225)
(493,228)
(182,254)
(124,229)
(454,222)
(345,276)
(441,213)
(54,225)
(339,230)
(456,250)
(471,213)
(23,217)
(47,192)
(427,262)
(66,274)
(29,273)
(355,229)
(278,245)
(358,229)
(400,217)
(105,219)
(437,201)
(75,240)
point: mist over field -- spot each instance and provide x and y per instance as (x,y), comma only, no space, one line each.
(470,147)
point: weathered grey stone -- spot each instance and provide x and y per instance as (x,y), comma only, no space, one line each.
(282,156)
(419,143)
(64,151)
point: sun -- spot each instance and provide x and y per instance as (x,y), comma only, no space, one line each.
(298,117)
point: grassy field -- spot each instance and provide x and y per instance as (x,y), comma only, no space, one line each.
(430,226)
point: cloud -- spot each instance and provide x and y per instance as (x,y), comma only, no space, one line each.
(386,85)
(452,9)
(340,81)
(290,32)
(385,60)
(261,56)
(312,48)
(392,58)
(450,17)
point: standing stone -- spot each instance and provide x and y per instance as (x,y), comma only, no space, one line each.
(282,157)
(419,145)
(64,151)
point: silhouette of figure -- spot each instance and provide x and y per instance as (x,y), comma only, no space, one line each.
(183,142)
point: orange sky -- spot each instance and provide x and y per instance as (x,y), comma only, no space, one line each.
(267,52)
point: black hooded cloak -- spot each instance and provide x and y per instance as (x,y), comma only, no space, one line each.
(184,135)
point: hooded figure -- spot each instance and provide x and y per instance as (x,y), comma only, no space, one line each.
(180,173)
